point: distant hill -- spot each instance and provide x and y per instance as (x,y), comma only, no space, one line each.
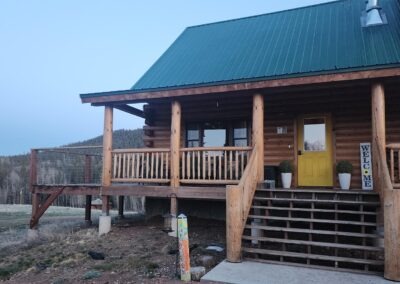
(14,170)
(121,139)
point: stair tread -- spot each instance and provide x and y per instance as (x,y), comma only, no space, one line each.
(314,220)
(314,243)
(313,210)
(317,201)
(331,191)
(312,256)
(312,231)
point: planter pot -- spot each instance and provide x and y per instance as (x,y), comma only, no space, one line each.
(286,180)
(344,180)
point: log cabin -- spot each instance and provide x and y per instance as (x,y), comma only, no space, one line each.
(229,101)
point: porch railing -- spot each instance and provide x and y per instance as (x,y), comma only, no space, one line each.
(141,165)
(213,165)
(394,163)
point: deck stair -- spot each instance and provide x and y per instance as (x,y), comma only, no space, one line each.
(315,227)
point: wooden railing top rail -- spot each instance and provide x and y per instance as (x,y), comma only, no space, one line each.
(141,150)
(393,146)
(231,148)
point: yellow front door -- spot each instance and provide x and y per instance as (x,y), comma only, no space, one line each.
(315,151)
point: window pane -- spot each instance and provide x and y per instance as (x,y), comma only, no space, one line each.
(239,133)
(193,134)
(214,137)
(240,143)
(314,134)
(193,143)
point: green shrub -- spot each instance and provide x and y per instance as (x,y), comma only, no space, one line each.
(286,167)
(344,167)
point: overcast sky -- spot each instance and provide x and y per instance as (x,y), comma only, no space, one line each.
(51,51)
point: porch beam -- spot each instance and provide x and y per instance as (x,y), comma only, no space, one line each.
(130,110)
(258,131)
(175,151)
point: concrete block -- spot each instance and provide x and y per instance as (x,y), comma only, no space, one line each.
(174,228)
(104,225)
(197,272)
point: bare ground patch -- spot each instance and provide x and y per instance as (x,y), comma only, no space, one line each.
(135,251)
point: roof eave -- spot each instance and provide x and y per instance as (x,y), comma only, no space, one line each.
(136,96)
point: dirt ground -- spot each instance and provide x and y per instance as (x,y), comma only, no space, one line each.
(135,251)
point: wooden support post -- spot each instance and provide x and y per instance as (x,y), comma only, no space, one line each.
(121,206)
(378,133)
(107,156)
(88,210)
(33,182)
(88,179)
(258,131)
(107,145)
(105,206)
(175,151)
(233,223)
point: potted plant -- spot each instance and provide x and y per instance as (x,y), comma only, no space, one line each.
(286,168)
(344,170)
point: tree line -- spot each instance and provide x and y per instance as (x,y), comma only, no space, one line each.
(61,168)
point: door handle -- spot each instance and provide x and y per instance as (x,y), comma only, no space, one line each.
(299,153)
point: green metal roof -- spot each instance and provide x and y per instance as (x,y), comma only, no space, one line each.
(325,38)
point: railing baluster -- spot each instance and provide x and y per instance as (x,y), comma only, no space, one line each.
(237,164)
(220,166)
(398,166)
(225,164)
(167,174)
(214,161)
(162,166)
(230,165)
(120,165)
(183,158)
(209,165)
(198,165)
(156,170)
(204,164)
(392,165)
(147,165)
(194,165)
(152,165)
(115,166)
(241,162)
(188,165)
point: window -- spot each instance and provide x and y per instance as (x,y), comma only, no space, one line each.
(314,134)
(193,135)
(217,134)
(240,134)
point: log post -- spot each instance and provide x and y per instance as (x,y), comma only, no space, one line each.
(233,223)
(175,151)
(107,155)
(378,133)
(258,131)
(390,198)
(88,179)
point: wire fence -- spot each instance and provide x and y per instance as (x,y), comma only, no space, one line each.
(69,165)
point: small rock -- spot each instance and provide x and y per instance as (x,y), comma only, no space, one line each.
(166,249)
(197,272)
(96,255)
(215,248)
(91,274)
(40,266)
(207,261)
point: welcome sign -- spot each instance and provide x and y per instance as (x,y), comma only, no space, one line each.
(366,166)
